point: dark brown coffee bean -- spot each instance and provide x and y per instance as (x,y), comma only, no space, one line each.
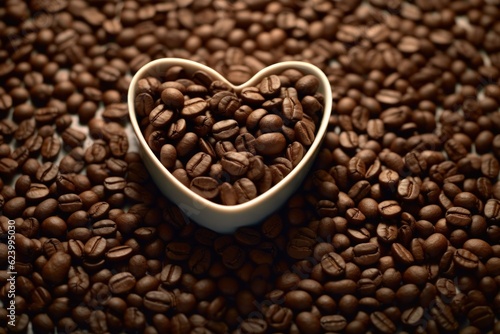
(51,147)
(333,264)
(245,190)
(412,316)
(8,166)
(387,232)
(47,172)
(235,163)
(168,155)
(408,189)
(292,109)
(465,259)
(304,133)
(446,288)
(114,183)
(389,209)
(203,124)
(56,268)
(37,192)
(443,315)
(270,143)
(159,301)
(492,210)
(481,317)
(225,129)
(458,216)
(95,247)
(401,254)
(70,203)
(143,104)
(173,98)
(104,228)
(121,283)
(479,247)
(199,164)
(205,186)
(160,116)
(366,254)
(382,322)
(194,107)
(170,275)
(73,137)
(278,318)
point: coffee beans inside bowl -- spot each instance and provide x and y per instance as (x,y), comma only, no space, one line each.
(225,145)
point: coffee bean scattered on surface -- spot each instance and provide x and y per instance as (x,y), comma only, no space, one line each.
(396,229)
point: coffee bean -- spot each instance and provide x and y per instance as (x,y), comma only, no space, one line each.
(446,288)
(401,254)
(270,143)
(173,98)
(160,117)
(270,85)
(245,190)
(194,107)
(56,268)
(95,247)
(366,254)
(412,316)
(51,147)
(47,172)
(8,166)
(457,216)
(205,186)
(121,283)
(199,164)
(37,192)
(492,210)
(389,209)
(465,259)
(159,301)
(104,228)
(170,275)
(333,264)
(442,314)
(292,109)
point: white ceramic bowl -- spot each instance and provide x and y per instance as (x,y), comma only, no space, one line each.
(218,217)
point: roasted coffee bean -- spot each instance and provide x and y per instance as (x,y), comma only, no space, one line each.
(121,283)
(173,98)
(194,107)
(270,143)
(51,147)
(270,85)
(170,275)
(465,259)
(333,264)
(37,192)
(205,186)
(47,172)
(366,254)
(199,164)
(459,217)
(95,247)
(159,301)
(160,117)
(245,190)
(56,268)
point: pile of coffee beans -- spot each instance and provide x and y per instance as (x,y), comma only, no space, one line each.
(396,229)
(225,146)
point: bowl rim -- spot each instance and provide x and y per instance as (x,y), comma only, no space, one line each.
(308,68)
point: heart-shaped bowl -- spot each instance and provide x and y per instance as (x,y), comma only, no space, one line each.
(218,217)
